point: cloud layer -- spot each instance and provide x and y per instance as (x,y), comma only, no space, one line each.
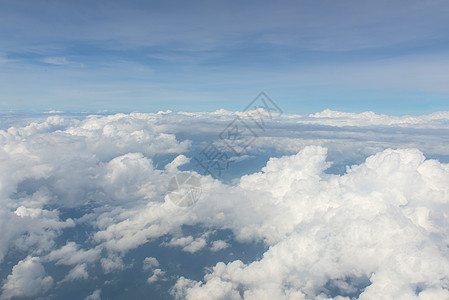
(379,229)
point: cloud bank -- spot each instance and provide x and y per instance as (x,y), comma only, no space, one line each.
(379,229)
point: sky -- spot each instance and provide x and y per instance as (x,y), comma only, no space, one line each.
(135,163)
(123,56)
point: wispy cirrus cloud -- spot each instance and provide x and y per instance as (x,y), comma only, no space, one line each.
(56,61)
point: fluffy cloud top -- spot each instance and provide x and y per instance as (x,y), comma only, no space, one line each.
(158,274)
(369,118)
(383,223)
(28,279)
(219,245)
(150,263)
(379,230)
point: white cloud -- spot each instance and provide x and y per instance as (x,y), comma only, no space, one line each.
(150,263)
(122,230)
(180,242)
(71,254)
(369,118)
(219,245)
(195,246)
(383,223)
(12,228)
(54,112)
(189,289)
(158,274)
(61,61)
(77,273)
(56,60)
(28,279)
(178,161)
(32,228)
(94,296)
(64,162)
(110,136)
(112,264)
(188,244)
(327,229)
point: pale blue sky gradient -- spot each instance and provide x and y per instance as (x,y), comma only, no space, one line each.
(386,56)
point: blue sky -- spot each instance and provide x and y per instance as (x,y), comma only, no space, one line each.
(388,56)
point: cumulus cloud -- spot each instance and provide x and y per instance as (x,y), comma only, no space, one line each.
(377,230)
(12,228)
(94,296)
(118,134)
(195,246)
(329,230)
(28,279)
(30,228)
(158,274)
(150,263)
(112,263)
(219,245)
(188,244)
(65,162)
